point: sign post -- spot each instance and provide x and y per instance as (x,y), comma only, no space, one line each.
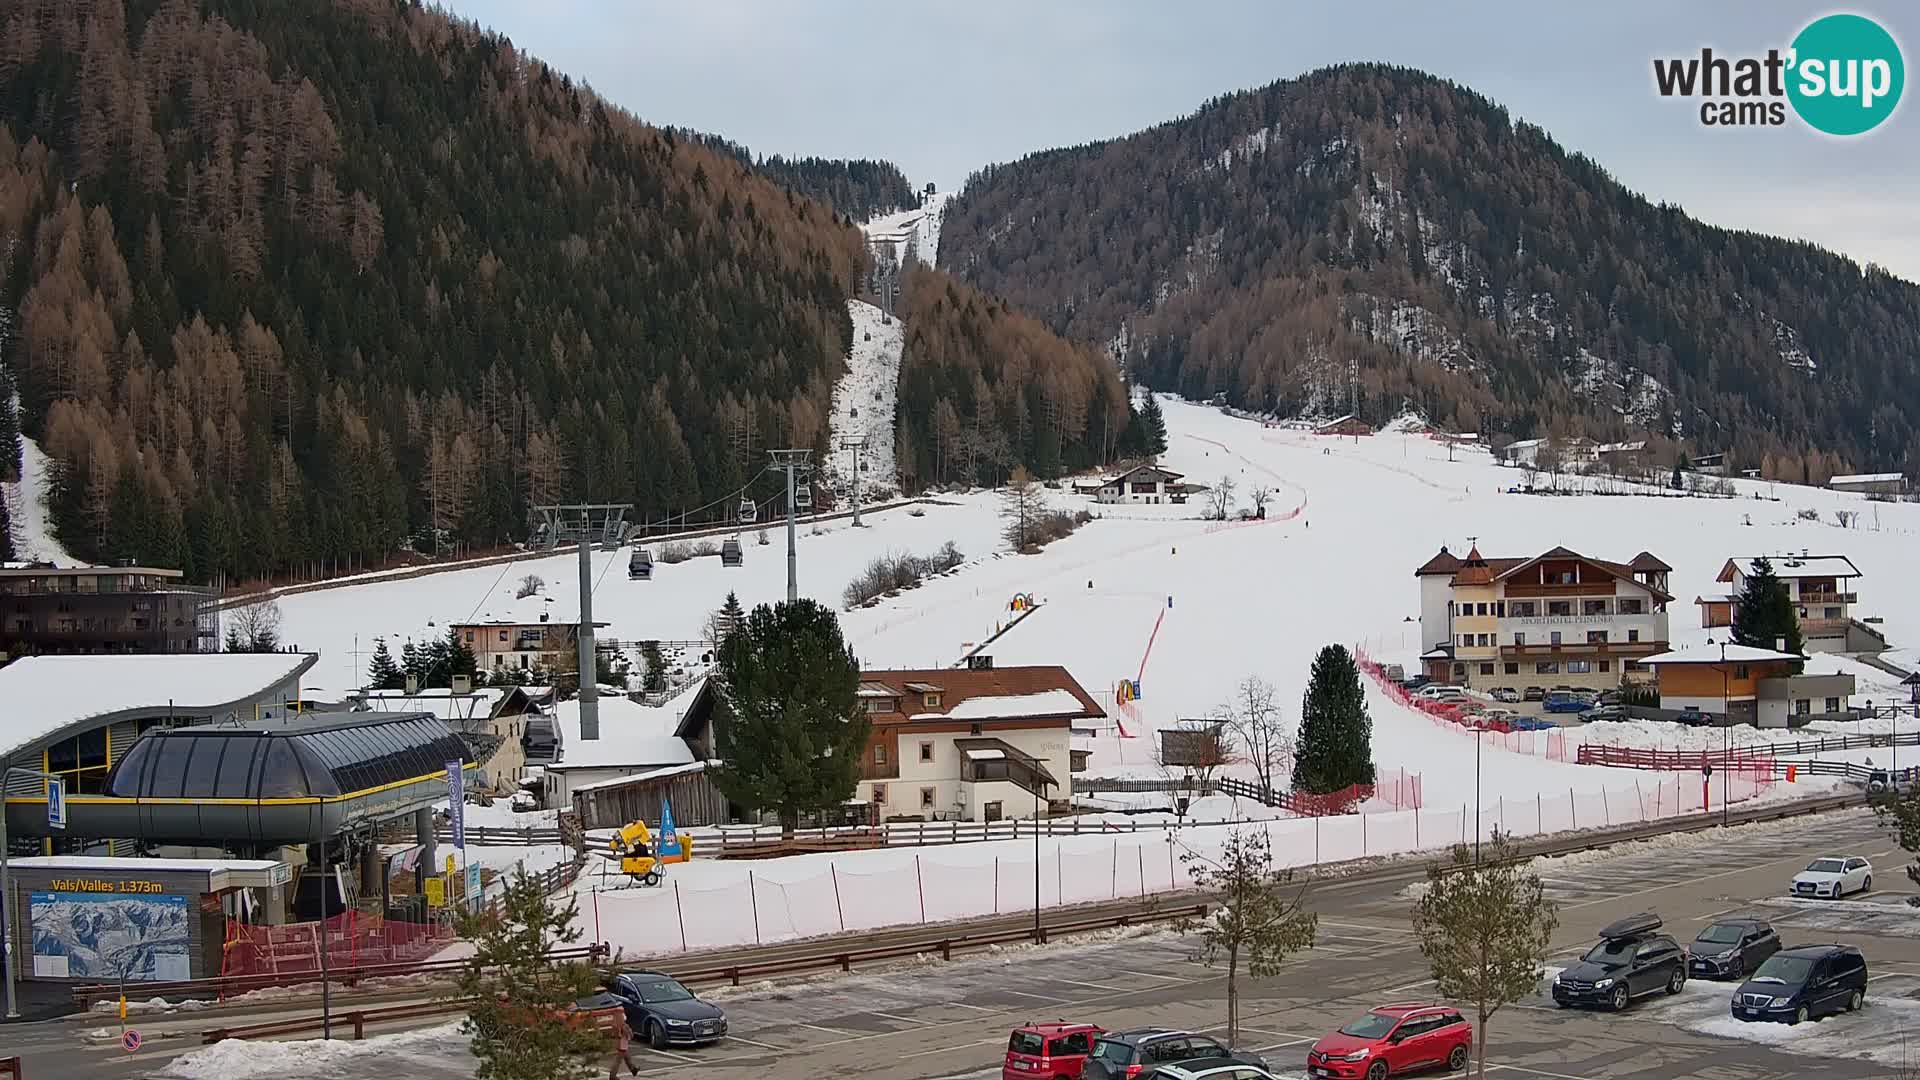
(56,803)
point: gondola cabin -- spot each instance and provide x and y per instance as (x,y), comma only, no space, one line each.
(747,512)
(803,497)
(640,565)
(730,553)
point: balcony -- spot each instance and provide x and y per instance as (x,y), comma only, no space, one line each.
(988,760)
(1810,597)
(1583,648)
(1578,588)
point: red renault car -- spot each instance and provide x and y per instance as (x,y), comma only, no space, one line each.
(1392,1040)
(1048,1051)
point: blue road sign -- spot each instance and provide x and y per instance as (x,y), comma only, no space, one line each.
(56,804)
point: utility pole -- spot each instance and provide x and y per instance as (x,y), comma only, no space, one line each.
(588,521)
(855,443)
(792,461)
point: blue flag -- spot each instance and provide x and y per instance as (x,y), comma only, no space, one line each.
(669,840)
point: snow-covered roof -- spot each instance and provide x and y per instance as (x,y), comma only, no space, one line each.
(1866,478)
(128,862)
(48,694)
(631,735)
(1045,703)
(986,755)
(1621,447)
(646,774)
(1798,566)
(1739,654)
(443,703)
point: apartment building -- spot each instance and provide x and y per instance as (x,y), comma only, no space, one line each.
(103,609)
(1559,618)
(501,645)
(1824,595)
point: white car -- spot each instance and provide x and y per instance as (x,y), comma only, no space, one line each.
(1833,877)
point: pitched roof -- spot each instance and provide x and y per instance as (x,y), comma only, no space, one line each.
(1169,473)
(1018,688)
(1646,560)
(1444,563)
(1793,566)
(1478,571)
(1740,654)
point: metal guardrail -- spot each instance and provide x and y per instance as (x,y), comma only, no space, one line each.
(356,1019)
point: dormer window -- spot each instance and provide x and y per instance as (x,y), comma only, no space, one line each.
(932,701)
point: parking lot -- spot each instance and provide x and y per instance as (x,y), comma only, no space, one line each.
(933,1019)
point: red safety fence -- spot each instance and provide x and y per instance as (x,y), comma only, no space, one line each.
(1549,743)
(1635,757)
(350,940)
(1398,790)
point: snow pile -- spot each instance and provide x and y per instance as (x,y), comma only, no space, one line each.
(33,539)
(631,734)
(863,399)
(400,1054)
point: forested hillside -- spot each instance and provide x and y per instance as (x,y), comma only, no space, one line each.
(291,291)
(1468,265)
(860,188)
(984,387)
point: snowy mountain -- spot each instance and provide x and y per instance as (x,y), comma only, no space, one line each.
(863,400)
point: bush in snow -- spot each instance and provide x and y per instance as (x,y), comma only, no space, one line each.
(896,571)
(529,586)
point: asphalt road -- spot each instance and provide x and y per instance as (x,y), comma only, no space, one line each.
(951,1020)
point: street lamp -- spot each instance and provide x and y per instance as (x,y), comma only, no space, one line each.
(1039,933)
(6,881)
(1726,732)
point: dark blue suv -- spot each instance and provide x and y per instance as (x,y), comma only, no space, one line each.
(1805,982)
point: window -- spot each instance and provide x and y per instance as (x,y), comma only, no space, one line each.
(1513,669)
(1547,667)
(1606,665)
(1832,612)
(1480,609)
(469,637)
(170,768)
(879,753)
(1525,609)
(1459,671)
(1519,637)
(1483,640)
(1559,607)
(879,705)
(1486,669)
(879,794)
(503,635)
(1593,607)
(1833,704)
(1077,1043)
(1466,640)
(1803,707)
(926,797)
(932,701)
(1554,637)
(1629,605)
(1634,665)
(926,751)
(280,775)
(1579,667)
(236,769)
(1633,635)
(1500,608)
(1596,637)
(1739,671)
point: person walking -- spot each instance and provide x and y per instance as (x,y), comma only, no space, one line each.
(622,1047)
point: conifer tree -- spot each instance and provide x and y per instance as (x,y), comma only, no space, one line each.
(787,722)
(459,659)
(1153,427)
(731,614)
(520,1012)
(382,672)
(655,678)
(1336,733)
(413,664)
(1763,614)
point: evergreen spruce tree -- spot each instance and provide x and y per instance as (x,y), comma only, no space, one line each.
(1336,734)
(731,614)
(382,672)
(413,662)
(451,657)
(787,722)
(520,1015)
(1153,426)
(233,642)
(1763,613)
(655,678)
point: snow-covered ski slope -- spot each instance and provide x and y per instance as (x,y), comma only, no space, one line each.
(33,538)
(1254,599)
(863,399)
(918,229)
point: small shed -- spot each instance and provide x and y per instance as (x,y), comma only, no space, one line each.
(1344,425)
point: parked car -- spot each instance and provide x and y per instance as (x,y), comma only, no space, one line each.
(1534,693)
(1394,1039)
(1562,701)
(1506,694)
(1604,712)
(1731,948)
(665,1013)
(1055,1051)
(1415,682)
(1833,876)
(1612,697)
(1805,982)
(1433,689)
(1496,714)
(1124,1055)
(1232,1067)
(1632,960)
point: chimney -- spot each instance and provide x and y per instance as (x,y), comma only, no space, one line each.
(1779,644)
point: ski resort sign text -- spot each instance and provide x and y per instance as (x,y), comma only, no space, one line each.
(1842,75)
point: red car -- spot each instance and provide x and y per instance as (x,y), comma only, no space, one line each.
(1392,1040)
(1048,1051)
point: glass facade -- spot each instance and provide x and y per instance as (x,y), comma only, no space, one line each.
(210,763)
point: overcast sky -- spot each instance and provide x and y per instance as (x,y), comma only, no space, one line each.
(941,89)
